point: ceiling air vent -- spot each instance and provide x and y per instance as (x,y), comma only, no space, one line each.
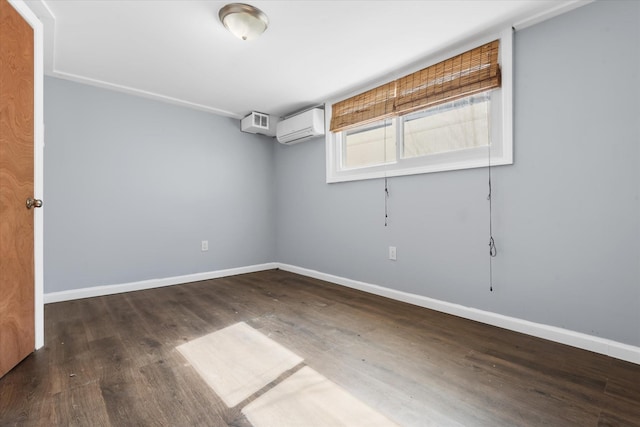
(255,123)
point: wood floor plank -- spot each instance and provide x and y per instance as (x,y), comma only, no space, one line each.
(79,406)
(113,361)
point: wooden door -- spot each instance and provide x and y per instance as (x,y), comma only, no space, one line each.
(17,323)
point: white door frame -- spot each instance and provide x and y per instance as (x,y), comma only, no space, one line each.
(38,158)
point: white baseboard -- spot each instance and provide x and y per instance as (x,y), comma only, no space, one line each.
(96,291)
(564,336)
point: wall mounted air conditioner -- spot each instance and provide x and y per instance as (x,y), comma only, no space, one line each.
(301,127)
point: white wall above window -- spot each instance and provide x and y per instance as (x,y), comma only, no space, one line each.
(389,148)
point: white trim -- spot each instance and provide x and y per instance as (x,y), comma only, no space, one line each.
(506,91)
(46,17)
(548,14)
(143,94)
(97,291)
(38,163)
(43,10)
(564,336)
(382,173)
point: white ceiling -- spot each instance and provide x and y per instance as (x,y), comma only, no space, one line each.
(313,51)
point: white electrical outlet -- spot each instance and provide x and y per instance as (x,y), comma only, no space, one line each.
(392,253)
(205,245)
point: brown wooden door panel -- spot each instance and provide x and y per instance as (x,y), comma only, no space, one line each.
(17,327)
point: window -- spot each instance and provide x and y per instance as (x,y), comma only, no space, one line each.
(369,145)
(455,114)
(458,125)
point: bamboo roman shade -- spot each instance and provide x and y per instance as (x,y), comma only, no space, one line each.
(474,71)
(370,106)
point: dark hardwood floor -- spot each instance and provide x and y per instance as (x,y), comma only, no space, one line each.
(113,361)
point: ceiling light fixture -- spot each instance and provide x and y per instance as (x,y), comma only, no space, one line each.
(244,21)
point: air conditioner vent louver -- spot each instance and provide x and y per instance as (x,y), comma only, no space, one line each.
(260,120)
(258,123)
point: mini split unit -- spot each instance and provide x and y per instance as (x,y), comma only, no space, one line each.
(301,127)
(293,129)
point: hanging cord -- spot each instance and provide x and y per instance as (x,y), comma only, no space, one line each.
(492,244)
(386,202)
(386,186)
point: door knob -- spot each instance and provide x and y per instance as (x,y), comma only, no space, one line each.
(34,203)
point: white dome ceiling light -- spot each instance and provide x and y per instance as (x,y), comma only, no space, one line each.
(244,21)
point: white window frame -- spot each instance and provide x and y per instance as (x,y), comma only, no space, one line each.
(501,148)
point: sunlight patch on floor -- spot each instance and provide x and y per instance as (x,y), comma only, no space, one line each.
(308,399)
(238,361)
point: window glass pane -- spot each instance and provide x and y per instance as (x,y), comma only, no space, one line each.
(369,146)
(448,127)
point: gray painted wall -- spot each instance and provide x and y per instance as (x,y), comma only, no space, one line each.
(567,215)
(132,186)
